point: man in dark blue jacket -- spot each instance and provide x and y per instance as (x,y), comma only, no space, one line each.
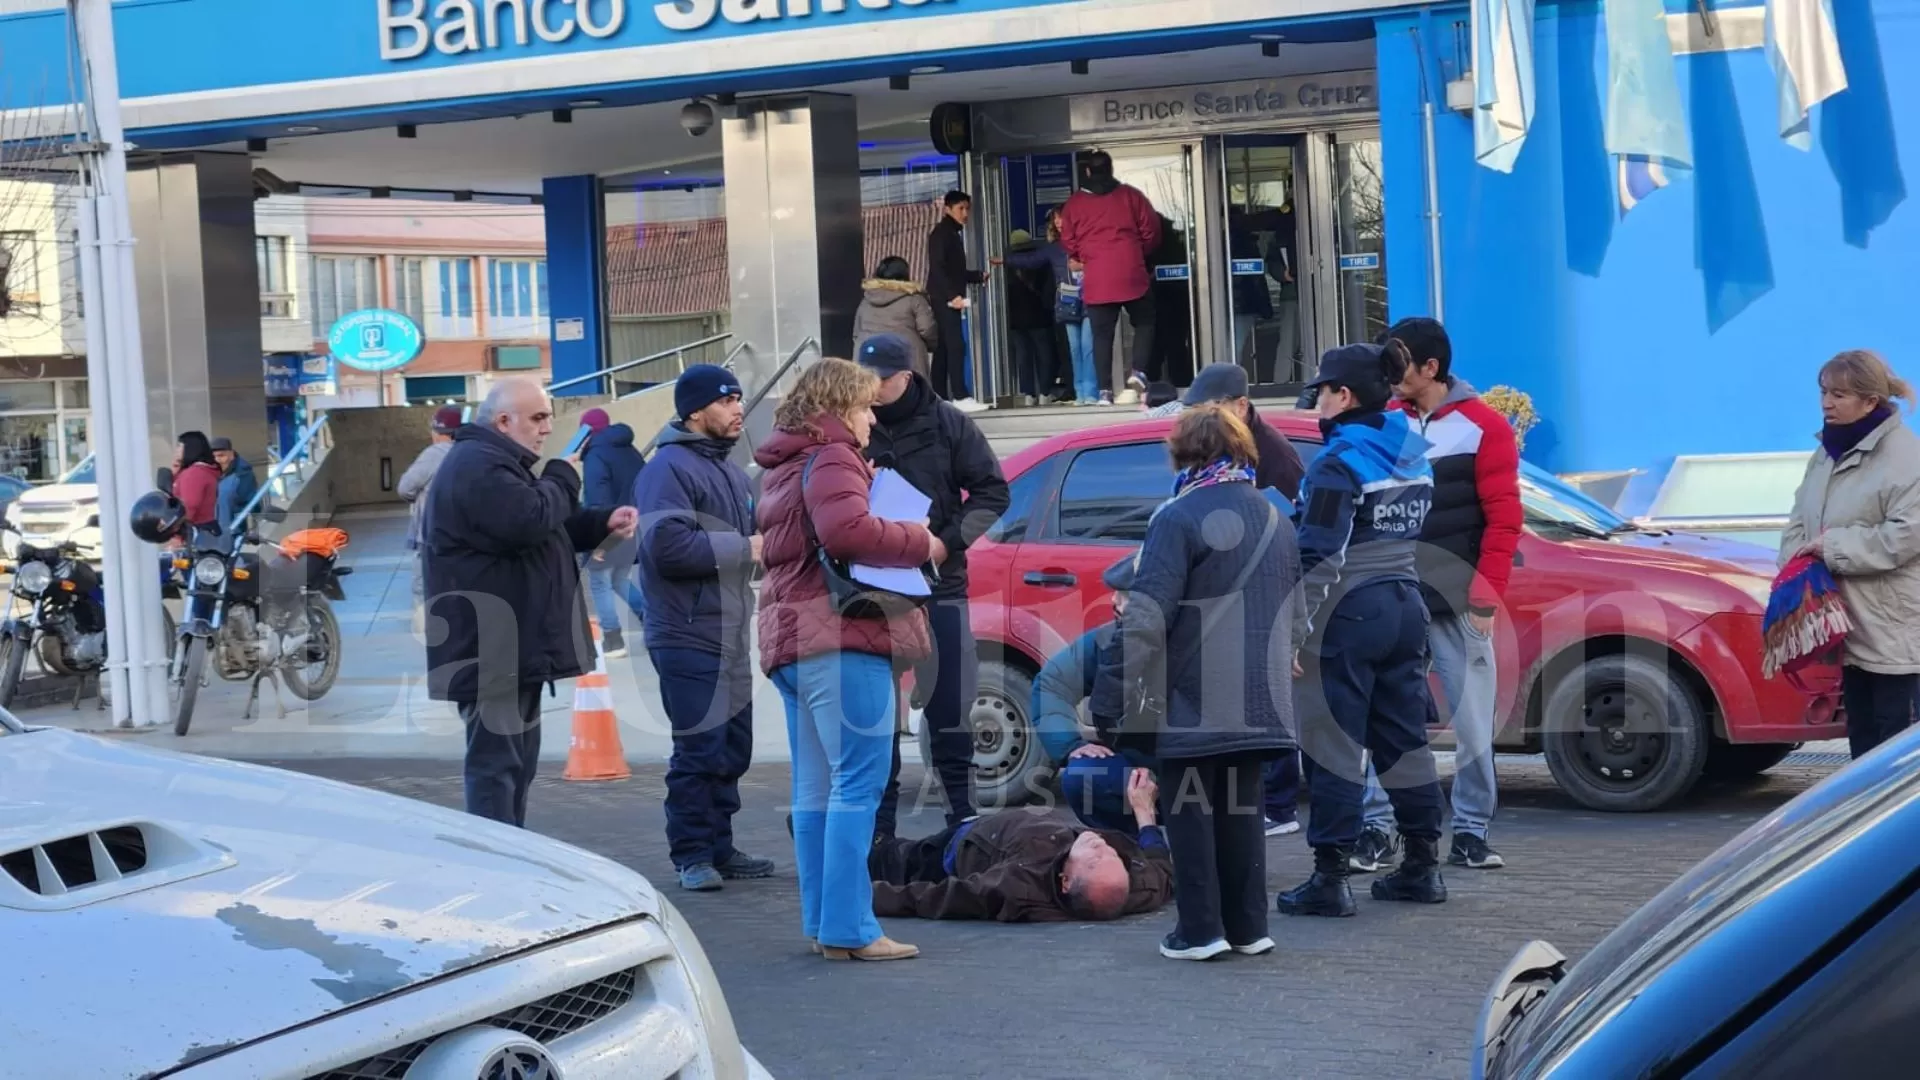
(498,552)
(610,465)
(1093,775)
(697,553)
(237,482)
(1362,626)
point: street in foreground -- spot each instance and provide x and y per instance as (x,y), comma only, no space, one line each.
(1394,992)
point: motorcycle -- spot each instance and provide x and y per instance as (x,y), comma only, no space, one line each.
(262,614)
(67,621)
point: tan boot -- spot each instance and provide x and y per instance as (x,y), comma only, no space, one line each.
(883,948)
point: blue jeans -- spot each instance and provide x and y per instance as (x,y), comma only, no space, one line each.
(1464,661)
(602,576)
(1086,383)
(1095,788)
(840,718)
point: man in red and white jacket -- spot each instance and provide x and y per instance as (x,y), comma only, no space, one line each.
(1465,559)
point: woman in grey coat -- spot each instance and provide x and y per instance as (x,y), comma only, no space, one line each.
(1858,509)
(894,305)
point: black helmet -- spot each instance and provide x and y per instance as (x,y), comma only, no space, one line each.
(157,517)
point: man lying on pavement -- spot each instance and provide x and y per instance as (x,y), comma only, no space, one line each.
(1027,866)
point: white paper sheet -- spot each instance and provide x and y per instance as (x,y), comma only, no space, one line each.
(894,499)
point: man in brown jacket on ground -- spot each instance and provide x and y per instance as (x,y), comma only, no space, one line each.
(1025,866)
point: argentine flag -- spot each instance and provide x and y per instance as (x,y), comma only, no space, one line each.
(1805,54)
(1502,80)
(1646,128)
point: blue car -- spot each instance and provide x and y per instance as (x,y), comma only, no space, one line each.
(1793,951)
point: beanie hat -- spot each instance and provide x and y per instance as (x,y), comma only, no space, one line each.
(446,419)
(596,420)
(885,355)
(700,386)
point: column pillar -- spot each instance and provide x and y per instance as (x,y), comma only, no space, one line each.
(199,288)
(577,280)
(794,233)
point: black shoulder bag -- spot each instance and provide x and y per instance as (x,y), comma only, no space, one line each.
(1149,708)
(852,599)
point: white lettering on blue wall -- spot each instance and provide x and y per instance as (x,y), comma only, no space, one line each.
(457,27)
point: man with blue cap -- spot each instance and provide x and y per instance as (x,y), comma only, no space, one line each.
(696,557)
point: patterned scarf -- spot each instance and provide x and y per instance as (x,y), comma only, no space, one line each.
(1223,471)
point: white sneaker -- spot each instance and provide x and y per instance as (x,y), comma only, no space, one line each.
(969,405)
(1106,398)
(1255,948)
(1282,828)
(1127,397)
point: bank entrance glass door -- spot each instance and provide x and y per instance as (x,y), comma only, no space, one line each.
(1262,284)
(1359,236)
(1164,173)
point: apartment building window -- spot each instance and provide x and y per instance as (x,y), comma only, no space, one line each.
(450,315)
(43,427)
(517,298)
(409,290)
(342,284)
(20,265)
(276,291)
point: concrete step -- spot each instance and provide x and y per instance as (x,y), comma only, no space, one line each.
(1010,429)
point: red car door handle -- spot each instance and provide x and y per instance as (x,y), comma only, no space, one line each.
(1057,578)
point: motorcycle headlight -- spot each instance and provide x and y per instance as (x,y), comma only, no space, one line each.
(33,578)
(211,570)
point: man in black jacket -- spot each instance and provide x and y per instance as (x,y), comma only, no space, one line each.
(499,553)
(936,448)
(948,278)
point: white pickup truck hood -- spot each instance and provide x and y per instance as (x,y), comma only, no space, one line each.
(295,897)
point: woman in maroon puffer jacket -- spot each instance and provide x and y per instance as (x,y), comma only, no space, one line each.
(835,674)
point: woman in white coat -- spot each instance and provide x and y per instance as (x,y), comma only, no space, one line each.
(1858,509)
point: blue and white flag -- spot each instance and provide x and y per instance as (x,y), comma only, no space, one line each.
(1502,80)
(1805,53)
(1646,126)
(1638,177)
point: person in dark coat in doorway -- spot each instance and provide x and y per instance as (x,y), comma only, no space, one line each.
(237,483)
(698,548)
(1030,294)
(938,449)
(500,545)
(948,279)
(611,465)
(1202,626)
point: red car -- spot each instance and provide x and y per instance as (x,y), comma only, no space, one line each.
(1630,658)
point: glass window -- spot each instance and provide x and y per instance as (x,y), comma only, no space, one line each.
(1111,493)
(75,449)
(342,284)
(1023,493)
(270,258)
(516,298)
(436,389)
(452,313)
(29,446)
(74,394)
(410,293)
(26,395)
(21,270)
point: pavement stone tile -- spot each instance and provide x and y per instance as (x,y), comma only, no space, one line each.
(1392,993)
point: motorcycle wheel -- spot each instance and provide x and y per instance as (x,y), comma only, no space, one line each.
(323,632)
(13,661)
(187,687)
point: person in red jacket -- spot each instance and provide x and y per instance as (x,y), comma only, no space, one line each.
(1109,228)
(1465,560)
(196,479)
(835,673)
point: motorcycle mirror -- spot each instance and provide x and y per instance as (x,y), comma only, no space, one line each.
(92,522)
(163,478)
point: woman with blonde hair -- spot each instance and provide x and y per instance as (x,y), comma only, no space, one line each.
(1858,510)
(834,670)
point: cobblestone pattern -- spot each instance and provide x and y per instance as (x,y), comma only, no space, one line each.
(1392,993)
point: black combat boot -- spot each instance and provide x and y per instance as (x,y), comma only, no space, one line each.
(1326,892)
(1417,881)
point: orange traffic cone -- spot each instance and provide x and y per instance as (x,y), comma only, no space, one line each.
(594,752)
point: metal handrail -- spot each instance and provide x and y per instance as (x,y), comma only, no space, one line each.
(677,350)
(725,362)
(760,395)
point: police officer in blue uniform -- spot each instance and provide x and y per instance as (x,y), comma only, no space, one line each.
(1364,632)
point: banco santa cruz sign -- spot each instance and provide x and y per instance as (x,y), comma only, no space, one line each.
(1183,108)
(414,28)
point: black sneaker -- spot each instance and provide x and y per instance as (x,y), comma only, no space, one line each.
(1375,849)
(613,645)
(1174,948)
(1417,880)
(740,866)
(1473,853)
